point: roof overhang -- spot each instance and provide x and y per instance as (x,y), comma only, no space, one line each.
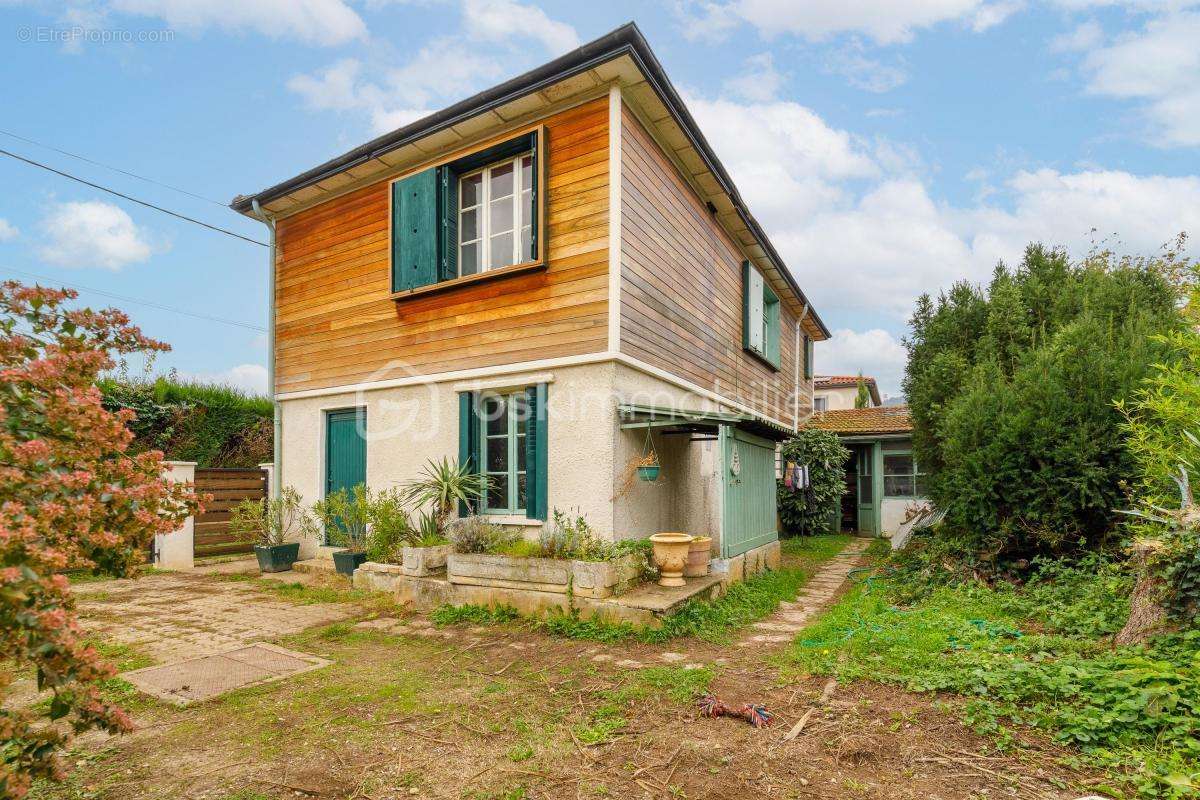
(622,58)
(635,416)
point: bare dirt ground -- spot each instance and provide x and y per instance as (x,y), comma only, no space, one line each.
(409,710)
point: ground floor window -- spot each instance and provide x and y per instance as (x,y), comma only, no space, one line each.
(902,476)
(504,419)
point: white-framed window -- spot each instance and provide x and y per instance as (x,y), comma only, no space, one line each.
(495,215)
(820,403)
(902,477)
(503,429)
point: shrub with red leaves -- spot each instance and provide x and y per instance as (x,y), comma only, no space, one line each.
(71,497)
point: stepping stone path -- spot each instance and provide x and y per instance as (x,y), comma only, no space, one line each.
(783,625)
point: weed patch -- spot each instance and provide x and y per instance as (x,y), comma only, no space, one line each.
(1033,656)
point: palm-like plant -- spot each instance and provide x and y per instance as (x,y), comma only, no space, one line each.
(443,485)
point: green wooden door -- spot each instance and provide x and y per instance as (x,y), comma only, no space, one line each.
(867,504)
(748,502)
(345,450)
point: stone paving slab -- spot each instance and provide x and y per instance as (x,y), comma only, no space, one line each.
(175,616)
(196,679)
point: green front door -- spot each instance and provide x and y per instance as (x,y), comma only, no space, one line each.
(345,450)
(866,490)
(748,501)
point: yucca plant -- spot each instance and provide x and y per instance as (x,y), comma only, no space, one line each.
(442,486)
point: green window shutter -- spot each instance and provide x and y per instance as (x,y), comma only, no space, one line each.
(771,328)
(536,453)
(447,223)
(808,357)
(468,437)
(415,231)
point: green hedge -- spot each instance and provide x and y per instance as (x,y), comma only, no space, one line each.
(215,426)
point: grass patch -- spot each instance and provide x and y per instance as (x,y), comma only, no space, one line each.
(710,620)
(303,594)
(678,684)
(1036,656)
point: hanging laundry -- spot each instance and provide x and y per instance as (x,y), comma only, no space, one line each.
(789,478)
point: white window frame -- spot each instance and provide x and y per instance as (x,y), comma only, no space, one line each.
(820,403)
(484,217)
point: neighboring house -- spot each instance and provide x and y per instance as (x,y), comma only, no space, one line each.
(836,392)
(544,281)
(882,479)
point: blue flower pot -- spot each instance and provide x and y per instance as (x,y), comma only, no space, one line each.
(346,561)
(649,473)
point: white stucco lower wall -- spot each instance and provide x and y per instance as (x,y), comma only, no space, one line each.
(893,510)
(590,456)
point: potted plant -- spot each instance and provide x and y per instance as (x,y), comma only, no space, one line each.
(275,526)
(347,516)
(648,467)
(670,554)
(429,549)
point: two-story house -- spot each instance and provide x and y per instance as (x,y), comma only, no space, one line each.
(548,280)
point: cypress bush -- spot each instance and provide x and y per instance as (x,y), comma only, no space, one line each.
(1014,389)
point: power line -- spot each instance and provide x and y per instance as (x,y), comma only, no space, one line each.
(150,303)
(87,160)
(132,199)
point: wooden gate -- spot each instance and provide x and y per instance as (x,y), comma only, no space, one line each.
(748,503)
(228,487)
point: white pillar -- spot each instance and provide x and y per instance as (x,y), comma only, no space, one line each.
(177,550)
(269,468)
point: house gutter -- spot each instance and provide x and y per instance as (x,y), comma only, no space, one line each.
(277,415)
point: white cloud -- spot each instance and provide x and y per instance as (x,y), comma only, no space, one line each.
(505,20)
(445,70)
(760,82)
(321,22)
(857,224)
(1160,65)
(875,353)
(8,231)
(863,72)
(250,378)
(785,158)
(884,21)
(92,234)
(1083,37)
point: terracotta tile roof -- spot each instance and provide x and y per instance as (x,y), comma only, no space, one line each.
(880,419)
(839,381)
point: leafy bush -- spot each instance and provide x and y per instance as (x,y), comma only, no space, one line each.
(391,529)
(1038,655)
(72,495)
(813,510)
(274,521)
(215,426)
(477,535)
(1012,396)
(346,516)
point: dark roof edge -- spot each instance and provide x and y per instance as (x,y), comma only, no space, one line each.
(626,39)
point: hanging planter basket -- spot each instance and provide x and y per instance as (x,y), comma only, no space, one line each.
(648,466)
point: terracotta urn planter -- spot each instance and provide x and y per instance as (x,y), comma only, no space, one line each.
(670,555)
(699,553)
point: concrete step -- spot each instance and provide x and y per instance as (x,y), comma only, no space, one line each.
(315,565)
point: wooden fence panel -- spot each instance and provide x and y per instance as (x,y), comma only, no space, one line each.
(228,487)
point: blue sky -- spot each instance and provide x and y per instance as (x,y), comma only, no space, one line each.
(888,146)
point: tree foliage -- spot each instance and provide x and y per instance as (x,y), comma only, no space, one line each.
(862,397)
(71,496)
(813,510)
(1012,392)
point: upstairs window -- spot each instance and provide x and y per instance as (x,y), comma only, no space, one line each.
(760,316)
(820,403)
(479,213)
(495,216)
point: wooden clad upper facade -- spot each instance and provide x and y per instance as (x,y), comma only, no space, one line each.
(337,323)
(681,296)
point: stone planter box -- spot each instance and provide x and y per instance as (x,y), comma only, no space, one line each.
(422,561)
(559,576)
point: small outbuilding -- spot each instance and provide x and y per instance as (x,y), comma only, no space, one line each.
(883,480)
